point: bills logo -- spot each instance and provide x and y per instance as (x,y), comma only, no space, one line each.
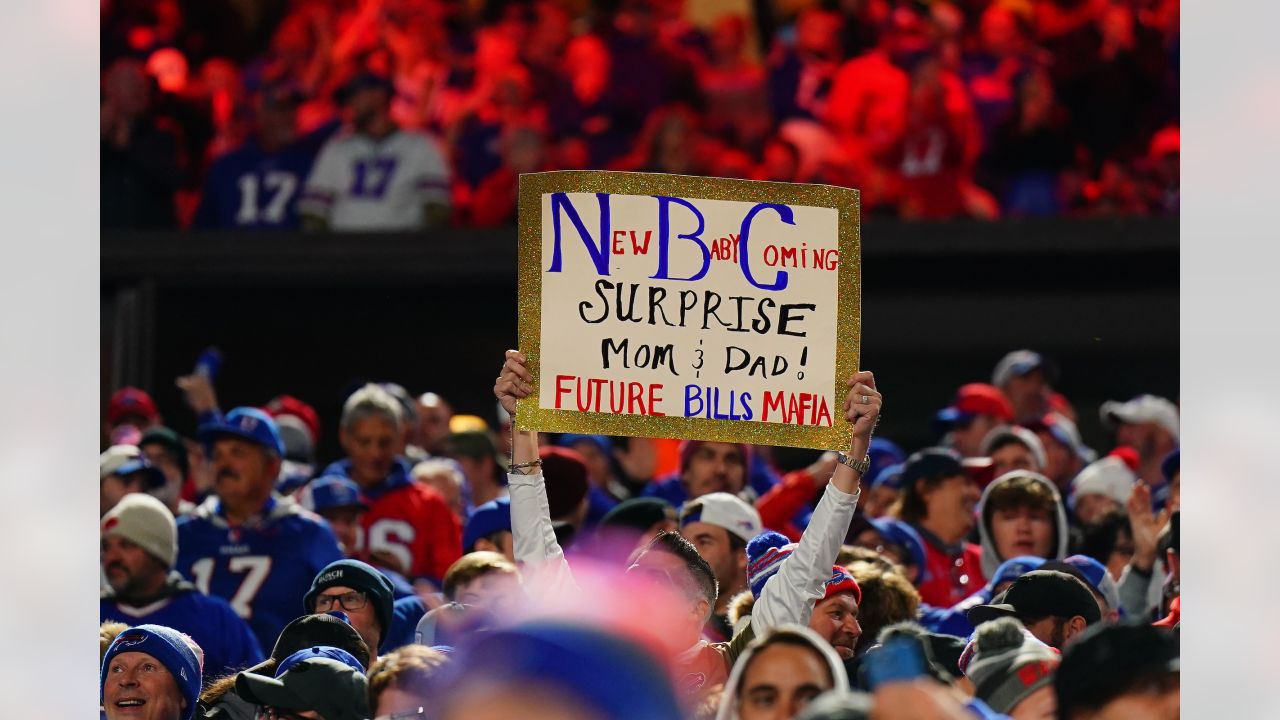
(110,524)
(129,639)
(248,423)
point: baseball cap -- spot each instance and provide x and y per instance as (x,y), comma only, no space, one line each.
(331,491)
(170,441)
(246,423)
(288,405)
(1019,363)
(931,464)
(330,687)
(889,476)
(125,460)
(1093,573)
(723,510)
(883,453)
(311,630)
(491,517)
(1107,660)
(1141,409)
(1039,594)
(601,442)
(1014,568)
(972,400)
(131,401)
(319,651)
(1065,432)
(897,532)
(296,437)
(1004,434)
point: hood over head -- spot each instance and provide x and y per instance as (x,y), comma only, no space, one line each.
(729,699)
(990,558)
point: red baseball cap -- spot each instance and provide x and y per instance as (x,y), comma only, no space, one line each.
(131,401)
(975,399)
(290,405)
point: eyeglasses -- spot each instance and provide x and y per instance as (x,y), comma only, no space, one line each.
(270,713)
(354,600)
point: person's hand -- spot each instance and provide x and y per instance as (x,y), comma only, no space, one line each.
(514,382)
(199,392)
(862,404)
(917,700)
(1145,526)
(822,469)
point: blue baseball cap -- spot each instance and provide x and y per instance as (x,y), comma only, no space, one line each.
(602,442)
(889,476)
(1014,568)
(897,532)
(331,491)
(319,651)
(883,453)
(1092,572)
(487,519)
(246,423)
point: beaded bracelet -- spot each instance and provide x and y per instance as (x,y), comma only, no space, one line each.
(519,468)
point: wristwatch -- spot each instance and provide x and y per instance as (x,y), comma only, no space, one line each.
(859,466)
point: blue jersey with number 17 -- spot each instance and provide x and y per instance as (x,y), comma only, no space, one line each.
(264,567)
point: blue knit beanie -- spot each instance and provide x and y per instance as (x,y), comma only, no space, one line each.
(170,648)
(765,554)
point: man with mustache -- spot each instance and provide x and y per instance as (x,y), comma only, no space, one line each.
(139,545)
(246,543)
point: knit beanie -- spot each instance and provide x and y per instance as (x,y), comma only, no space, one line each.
(146,522)
(357,576)
(177,652)
(1008,664)
(765,554)
(1109,476)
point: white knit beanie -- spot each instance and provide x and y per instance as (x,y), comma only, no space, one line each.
(146,522)
(1108,476)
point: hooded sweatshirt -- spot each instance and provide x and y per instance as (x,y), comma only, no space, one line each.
(990,558)
(729,699)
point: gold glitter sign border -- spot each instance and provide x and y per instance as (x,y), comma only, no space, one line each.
(530,416)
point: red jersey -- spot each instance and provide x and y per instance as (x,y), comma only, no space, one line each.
(409,522)
(949,577)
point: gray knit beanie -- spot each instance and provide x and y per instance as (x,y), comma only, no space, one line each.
(1009,664)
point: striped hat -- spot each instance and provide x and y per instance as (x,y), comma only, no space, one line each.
(765,554)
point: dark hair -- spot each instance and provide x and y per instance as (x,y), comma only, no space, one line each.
(930,466)
(675,544)
(1101,536)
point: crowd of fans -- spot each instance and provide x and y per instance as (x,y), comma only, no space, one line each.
(403,114)
(447,568)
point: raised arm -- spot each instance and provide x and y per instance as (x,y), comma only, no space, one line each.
(791,595)
(532,535)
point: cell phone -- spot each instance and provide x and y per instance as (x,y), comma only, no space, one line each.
(898,659)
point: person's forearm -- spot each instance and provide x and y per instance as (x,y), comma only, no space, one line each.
(524,446)
(846,479)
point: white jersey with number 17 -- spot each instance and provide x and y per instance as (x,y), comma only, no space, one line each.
(359,183)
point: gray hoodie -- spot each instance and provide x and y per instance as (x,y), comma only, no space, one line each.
(729,699)
(990,558)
